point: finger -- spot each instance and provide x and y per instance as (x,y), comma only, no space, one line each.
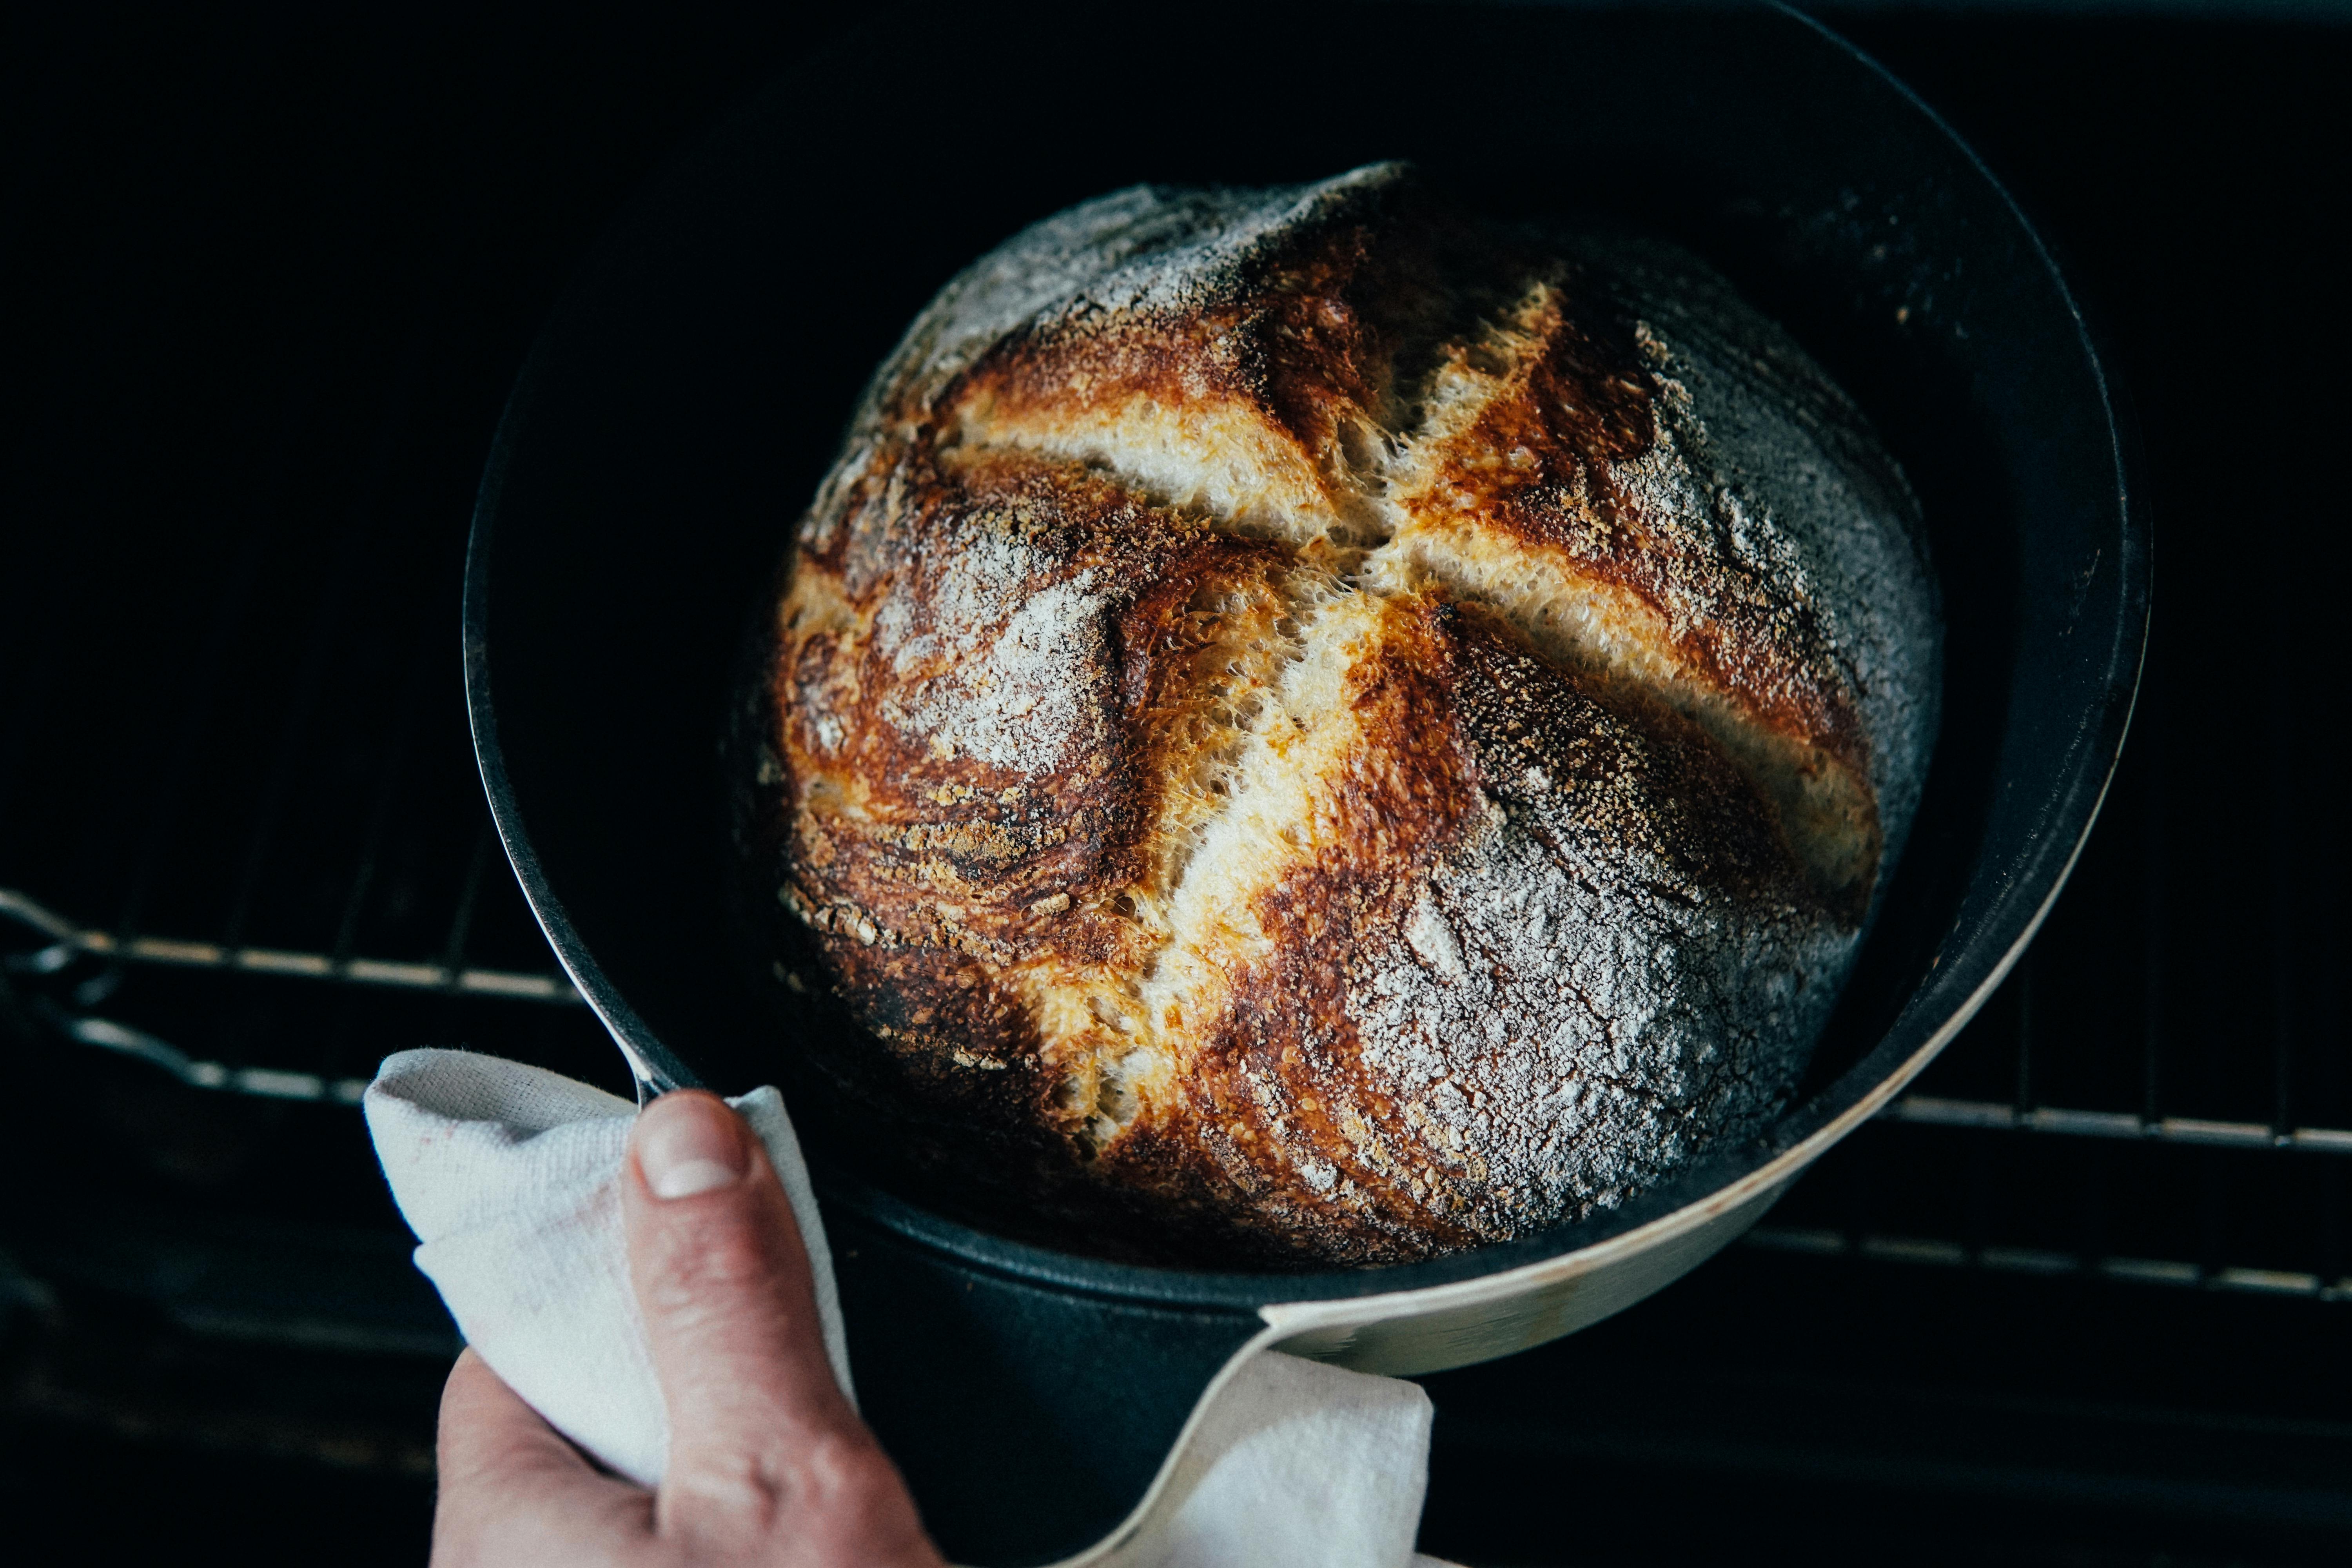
(765,1449)
(513,1491)
(724,1282)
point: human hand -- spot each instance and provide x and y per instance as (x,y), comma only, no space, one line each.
(768,1463)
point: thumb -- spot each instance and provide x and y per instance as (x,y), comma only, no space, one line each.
(764,1447)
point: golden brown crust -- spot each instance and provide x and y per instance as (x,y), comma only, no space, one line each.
(1274,759)
(1548,459)
(1296,345)
(935,867)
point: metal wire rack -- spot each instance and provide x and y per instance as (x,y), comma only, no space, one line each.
(68,943)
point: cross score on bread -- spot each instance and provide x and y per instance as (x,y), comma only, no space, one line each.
(1305,727)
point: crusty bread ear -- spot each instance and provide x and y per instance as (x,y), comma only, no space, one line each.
(1321,730)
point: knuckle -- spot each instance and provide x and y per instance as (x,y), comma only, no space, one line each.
(864,1508)
(739,1505)
(746,1491)
(721,1254)
(833,1483)
(845,1468)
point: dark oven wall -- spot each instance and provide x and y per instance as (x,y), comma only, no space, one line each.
(2078,1298)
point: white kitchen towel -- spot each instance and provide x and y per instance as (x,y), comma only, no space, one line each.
(507,1174)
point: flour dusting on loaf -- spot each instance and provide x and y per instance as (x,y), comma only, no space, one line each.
(1305,727)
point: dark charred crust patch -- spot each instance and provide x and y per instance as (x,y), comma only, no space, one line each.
(1582,761)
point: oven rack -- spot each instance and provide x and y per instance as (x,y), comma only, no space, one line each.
(69,941)
(67,944)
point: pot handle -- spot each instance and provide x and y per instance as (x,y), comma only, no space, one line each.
(1029,1421)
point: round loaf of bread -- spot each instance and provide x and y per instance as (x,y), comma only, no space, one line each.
(1307,728)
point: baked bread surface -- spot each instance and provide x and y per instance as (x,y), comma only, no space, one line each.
(1307,729)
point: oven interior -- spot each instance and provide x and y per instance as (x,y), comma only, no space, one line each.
(2079,1297)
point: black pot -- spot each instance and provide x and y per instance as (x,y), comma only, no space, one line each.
(681,407)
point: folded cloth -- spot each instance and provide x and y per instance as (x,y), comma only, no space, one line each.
(508,1176)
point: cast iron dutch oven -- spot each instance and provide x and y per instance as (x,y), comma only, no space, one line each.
(679,410)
